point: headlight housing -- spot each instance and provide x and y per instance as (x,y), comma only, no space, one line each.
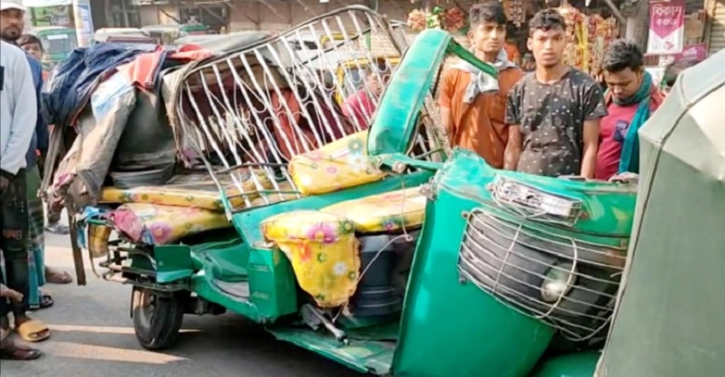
(558,281)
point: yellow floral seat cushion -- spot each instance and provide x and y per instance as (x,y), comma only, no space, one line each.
(335,166)
(154,224)
(185,191)
(388,212)
(323,251)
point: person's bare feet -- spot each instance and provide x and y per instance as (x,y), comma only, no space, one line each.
(54,276)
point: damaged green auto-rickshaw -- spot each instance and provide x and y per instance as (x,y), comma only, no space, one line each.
(368,242)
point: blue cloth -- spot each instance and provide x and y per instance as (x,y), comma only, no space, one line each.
(41,135)
(629,160)
(74,79)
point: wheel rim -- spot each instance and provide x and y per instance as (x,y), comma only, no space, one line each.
(148,309)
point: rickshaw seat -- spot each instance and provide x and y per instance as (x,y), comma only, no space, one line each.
(323,252)
(388,212)
(189,190)
(338,165)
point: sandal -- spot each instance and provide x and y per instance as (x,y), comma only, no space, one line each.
(57,277)
(46,301)
(33,331)
(10,350)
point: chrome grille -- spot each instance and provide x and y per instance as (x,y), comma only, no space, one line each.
(531,202)
(514,263)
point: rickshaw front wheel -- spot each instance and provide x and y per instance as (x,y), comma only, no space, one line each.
(157,317)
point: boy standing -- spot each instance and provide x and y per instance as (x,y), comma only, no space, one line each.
(472,104)
(631,99)
(557,108)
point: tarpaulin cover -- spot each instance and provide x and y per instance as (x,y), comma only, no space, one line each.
(75,78)
(669,316)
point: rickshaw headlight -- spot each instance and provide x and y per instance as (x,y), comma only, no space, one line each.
(558,281)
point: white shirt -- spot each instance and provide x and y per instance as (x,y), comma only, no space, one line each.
(18,105)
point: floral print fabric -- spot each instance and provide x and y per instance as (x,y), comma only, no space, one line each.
(323,251)
(154,224)
(186,192)
(336,166)
(388,212)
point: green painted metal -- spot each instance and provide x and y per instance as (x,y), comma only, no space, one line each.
(173,263)
(609,207)
(395,120)
(669,317)
(363,356)
(271,278)
(451,328)
(580,364)
(226,261)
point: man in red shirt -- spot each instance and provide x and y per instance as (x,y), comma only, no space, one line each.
(359,108)
(631,99)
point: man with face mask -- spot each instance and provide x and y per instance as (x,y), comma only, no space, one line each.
(631,99)
(472,104)
(557,108)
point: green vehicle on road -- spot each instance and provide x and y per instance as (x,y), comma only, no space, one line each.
(58,42)
(380,248)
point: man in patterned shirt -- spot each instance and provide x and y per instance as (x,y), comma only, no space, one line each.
(557,108)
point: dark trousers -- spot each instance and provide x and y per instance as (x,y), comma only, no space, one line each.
(13,241)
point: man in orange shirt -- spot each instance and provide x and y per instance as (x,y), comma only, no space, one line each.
(473,105)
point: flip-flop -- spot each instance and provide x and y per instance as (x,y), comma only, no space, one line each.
(10,350)
(33,331)
(46,301)
(60,277)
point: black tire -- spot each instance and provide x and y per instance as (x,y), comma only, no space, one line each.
(157,325)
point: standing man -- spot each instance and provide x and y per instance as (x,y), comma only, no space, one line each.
(13,24)
(630,100)
(557,108)
(16,131)
(11,27)
(472,104)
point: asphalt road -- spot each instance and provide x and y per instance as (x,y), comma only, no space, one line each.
(92,336)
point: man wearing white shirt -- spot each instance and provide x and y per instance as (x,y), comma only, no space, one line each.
(17,126)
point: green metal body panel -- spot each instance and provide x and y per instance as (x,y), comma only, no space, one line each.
(395,119)
(669,317)
(609,207)
(364,356)
(450,328)
(173,263)
(271,279)
(572,365)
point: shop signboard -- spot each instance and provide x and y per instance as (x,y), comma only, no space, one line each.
(83,22)
(666,27)
(696,52)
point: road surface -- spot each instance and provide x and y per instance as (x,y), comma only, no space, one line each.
(92,336)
